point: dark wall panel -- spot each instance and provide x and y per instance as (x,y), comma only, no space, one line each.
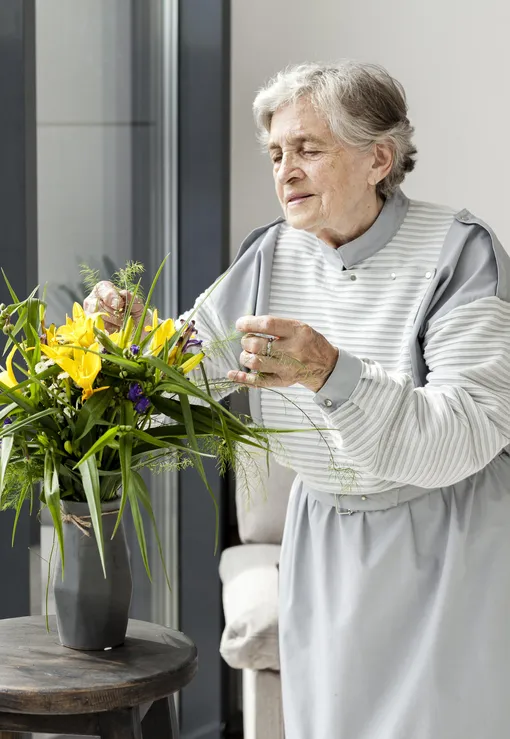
(204,142)
(18,245)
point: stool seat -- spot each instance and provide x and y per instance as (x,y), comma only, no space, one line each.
(41,678)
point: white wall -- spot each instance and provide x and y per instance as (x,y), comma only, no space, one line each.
(453,58)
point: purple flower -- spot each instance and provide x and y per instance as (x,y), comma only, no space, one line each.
(134,349)
(135,392)
(142,405)
(192,342)
(7,421)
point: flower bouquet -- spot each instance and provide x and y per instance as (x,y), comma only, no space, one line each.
(83,412)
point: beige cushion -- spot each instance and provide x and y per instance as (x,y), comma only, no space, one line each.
(250,600)
(262,495)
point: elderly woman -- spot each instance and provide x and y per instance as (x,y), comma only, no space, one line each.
(389,325)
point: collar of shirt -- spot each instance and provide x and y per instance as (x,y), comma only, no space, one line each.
(384,228)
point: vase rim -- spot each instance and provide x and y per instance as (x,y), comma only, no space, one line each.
(82,507)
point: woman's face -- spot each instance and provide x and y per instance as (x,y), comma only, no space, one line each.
(323,187)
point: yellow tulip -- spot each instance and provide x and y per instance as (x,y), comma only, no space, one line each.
(192,362)
(79,330)
(162,332)
(82,368)
(7,377)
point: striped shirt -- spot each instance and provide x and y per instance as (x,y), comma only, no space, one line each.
(389,432)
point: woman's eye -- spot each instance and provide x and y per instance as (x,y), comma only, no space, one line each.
(311,152)
(277,158)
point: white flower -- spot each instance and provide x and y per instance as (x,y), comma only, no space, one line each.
(43,365)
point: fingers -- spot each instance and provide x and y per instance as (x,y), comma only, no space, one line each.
(260,362)
(254,379)
(278,327)
(107,299)
(258,344)
(109,296)
(137,307)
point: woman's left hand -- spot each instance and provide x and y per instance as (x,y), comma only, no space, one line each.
(296,354)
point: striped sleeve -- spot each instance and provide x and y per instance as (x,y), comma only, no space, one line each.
(443,432)
(220,345)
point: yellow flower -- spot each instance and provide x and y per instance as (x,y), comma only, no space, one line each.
(80,329)
(192,362)
(7,377)
(88,393)
(162,332)
(51,335)
(82,368)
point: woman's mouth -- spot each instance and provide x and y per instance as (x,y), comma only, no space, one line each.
(295,200)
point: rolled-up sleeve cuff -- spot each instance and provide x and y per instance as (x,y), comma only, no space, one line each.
(341,383)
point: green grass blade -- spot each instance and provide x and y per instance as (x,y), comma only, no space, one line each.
(105,341)
(125,453)
(19,506)
(103,441)
(4,412)
(52,499)
(7,446)
(143,495)
(188,420)
(90,479)
(91,412)
(139,527)
(9,287)
(154,441)
(13,427)
(141,322)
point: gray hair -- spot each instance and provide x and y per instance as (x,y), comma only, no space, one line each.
(362,104)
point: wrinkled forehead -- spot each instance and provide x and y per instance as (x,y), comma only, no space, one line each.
(294,139)
(296,124)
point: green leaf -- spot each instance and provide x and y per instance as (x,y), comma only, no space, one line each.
(13,294)
(139,528)
(7,445)
(7,411)
(133,367)
(26,405)
(143,495)
(51,491)
(141,322)
(191,389)
(91,412)
(108,344)
(13,427)
(155,441)
(188,420)
(134,293)
(99,444)
(19,505)
(90,479)
(125,453)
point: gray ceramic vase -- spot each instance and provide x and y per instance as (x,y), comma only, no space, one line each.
(92,612)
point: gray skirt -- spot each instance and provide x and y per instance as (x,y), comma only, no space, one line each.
(395,620)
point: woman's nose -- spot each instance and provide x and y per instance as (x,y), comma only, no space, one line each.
(288,169)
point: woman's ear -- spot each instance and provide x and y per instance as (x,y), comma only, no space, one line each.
(382,163)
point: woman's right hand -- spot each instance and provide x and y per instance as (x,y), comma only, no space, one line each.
(112,302)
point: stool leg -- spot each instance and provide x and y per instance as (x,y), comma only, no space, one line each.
(161,720)
(122,724)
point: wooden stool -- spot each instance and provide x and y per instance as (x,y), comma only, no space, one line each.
(47,688)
